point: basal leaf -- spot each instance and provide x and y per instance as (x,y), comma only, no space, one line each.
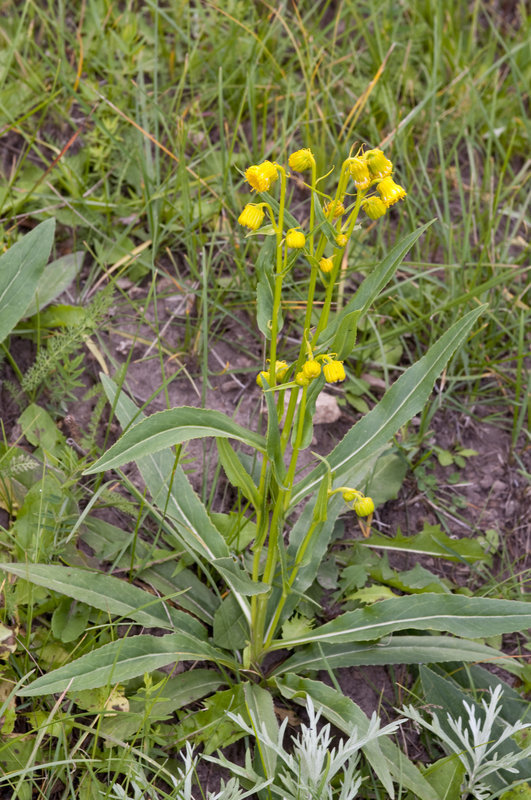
(423,649)
(113,595)
(122,660)
(469,617)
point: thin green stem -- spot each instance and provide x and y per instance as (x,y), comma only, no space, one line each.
(338,255)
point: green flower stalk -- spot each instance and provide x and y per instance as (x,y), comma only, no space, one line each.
(312,369)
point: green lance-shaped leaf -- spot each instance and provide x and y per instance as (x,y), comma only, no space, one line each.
(470,617)
(174,426)
(20,270)
(124,659)
(422,649)
(112,595)
(384,756)
(345,336)
(371,287)
(236,472)
(401,402)
(172,493)
(55,279)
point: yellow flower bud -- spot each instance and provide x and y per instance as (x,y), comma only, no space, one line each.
(334,372)
(341,240)
(301,160)
(281,367)
(374,207)
(264,374)
(349,495)
(360,173)
(326,264)
(252,216)
(301,379)
(379,166)
(311,369)
(339,209)
(390,192)
(295,239)
(261,176)
(364,506)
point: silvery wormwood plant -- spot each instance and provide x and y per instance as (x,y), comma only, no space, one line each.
(233,605)
(477,744)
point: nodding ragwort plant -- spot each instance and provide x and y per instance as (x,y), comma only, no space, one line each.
(245,605)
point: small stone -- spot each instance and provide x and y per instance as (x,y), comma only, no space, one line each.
(499,486)
(326,409)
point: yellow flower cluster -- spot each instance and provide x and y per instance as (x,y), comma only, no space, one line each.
(281,368)
(362,505)
(334,371)
(368,169)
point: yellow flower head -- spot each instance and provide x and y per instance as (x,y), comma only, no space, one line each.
(360,173)
(311,369)
(295,239)
(301,379)
(374,207)
(301,160)
(379,166)
(364,506)
(326,264)
(339,209)
(261,176)
(390,192)
(334,372)
(252,216)
(281,367)
(341,240)
(349,495)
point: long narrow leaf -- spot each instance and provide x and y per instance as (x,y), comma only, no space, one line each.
(124,659)
(372,285)
(401,402)
(426,649)
(470,617)
(113,595)
(172,493)
(174,426)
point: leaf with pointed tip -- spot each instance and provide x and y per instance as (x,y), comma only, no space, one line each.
(470,617)
(124,659)
(427,649)
(113,595)
(401,402)
(173,426)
